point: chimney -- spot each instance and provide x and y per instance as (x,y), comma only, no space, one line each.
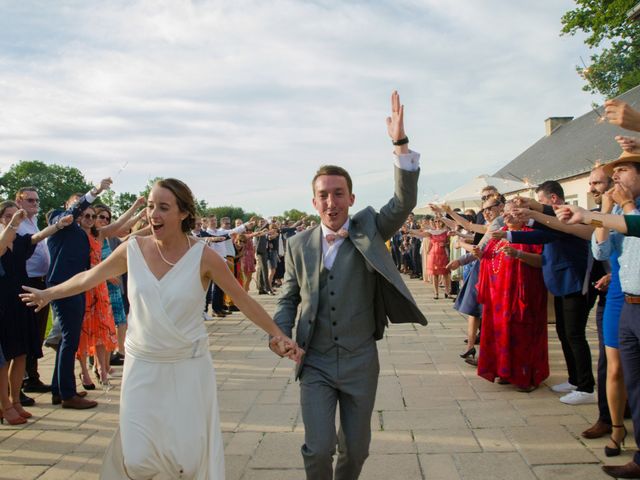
(551,123)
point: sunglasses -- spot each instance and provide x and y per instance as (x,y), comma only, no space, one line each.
(486,209)
(104,217)
(88,216)
(32,200)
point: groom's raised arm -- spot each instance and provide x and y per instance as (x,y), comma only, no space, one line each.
(407,169)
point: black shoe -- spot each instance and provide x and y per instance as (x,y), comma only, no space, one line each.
(26,401)
(220,313)
(35,386)
(262,292)
(116,359)
(56,399)
(233,308)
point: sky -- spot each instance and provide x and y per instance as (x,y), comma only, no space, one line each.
(245,99)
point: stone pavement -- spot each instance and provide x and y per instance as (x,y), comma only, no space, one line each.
(434,418)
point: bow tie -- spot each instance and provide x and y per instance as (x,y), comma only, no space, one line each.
(332,237)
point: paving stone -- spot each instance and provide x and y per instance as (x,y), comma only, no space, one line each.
(493,466)
(549,444)
(493,440)
(430,418)
(270,418)
(388,442)
(385,467)
(438,467)
(491,413)
(446,441)
(573,472)
(278,451)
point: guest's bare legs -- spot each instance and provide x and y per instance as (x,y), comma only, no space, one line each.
(121,331)
(436,285)
(16,375)
(84,371)
(473,323)
(616,393)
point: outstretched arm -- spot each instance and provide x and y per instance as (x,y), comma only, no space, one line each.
(216,270)
(117,228)
(113,266)
(464,223)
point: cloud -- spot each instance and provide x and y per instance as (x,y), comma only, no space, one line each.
(244,99)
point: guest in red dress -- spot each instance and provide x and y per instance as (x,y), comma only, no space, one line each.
(437,255)
(513,345)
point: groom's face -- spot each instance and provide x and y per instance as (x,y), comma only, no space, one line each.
(332,199)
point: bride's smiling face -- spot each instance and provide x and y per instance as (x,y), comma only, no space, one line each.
(164,215)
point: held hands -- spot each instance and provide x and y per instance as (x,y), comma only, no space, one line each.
(454,265)
(509,251)
(35,298)
(285,347)
(572,214)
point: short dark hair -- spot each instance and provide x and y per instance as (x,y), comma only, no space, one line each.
(332,170)
(551,187)
(184,199)
(24,189)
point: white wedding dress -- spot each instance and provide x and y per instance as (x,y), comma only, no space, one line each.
(169,421)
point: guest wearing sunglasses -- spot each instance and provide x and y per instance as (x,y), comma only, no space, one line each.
(28,200)
(98,336)
(69,252)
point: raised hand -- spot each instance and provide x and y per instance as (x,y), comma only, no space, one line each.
(620,113)
(105,184)
(65,221)
(628,144)
(395,123)
(17,218)
(140,202)
(499,234)
(607,201)
(509,251)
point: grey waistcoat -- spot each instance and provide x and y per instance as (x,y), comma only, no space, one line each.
(345,314)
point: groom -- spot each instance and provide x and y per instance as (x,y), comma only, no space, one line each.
(344,279)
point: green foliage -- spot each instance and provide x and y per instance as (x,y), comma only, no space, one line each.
(616,68)
(231,212)
(296,215)
(118,202)
(55,183)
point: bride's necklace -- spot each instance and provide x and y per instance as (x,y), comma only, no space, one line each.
(162,256)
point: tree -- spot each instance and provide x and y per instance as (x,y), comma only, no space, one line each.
(55,183)
(296,215)
(616,68)
(118,202)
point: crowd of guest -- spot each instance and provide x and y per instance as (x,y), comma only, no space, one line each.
(514,252)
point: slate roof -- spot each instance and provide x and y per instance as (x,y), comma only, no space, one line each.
(571,149)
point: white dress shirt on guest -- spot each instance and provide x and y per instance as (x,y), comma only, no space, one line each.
(38,263)
(226,248)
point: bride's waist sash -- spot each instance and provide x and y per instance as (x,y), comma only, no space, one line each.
(198,348)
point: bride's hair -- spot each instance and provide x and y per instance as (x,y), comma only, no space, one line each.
(184,199)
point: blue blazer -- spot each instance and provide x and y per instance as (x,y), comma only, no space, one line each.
(564,258)
(69,247)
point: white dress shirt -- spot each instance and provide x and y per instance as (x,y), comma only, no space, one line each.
(226,248)
(38,263)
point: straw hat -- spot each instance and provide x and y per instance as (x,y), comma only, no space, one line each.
(626,157)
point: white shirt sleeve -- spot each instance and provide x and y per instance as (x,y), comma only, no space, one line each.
(407,161)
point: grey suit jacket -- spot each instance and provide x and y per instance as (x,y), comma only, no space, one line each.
(368,230)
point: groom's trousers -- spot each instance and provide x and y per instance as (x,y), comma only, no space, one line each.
(344,379)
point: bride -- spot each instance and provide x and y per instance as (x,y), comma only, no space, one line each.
(169,423)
